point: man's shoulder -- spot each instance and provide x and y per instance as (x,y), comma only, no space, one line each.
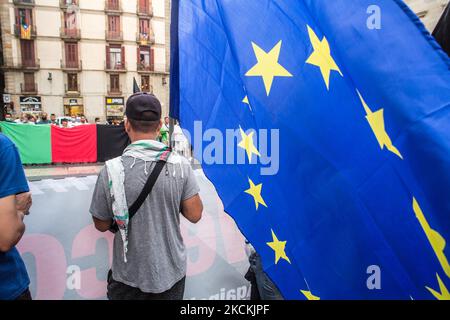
(5,143)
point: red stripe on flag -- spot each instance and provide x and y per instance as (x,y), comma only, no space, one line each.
(74,145)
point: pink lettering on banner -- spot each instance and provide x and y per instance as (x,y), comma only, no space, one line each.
(206,246)
(84,245)
(50,261)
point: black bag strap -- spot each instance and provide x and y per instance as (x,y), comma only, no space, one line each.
(147,188)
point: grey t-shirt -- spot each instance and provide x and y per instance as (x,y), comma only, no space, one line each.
(156,252)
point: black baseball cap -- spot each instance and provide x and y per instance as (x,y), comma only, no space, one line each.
(143,107)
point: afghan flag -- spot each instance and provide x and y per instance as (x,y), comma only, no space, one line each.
(45,144)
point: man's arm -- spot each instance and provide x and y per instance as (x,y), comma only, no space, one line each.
(12,227)
(102,225)
(101,206)
(192,209)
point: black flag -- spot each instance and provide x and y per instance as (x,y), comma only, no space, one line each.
(442,31)
(136,88)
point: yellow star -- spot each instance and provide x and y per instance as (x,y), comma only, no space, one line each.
(321,57)
(248,145)
(255,192)
(376,121)
(279,248)
(245,100)
(268,67)
(443,294)
(436,240)
(309,295)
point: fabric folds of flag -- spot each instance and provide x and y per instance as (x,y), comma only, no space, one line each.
(360,95)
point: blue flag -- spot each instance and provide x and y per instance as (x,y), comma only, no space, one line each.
(325,128)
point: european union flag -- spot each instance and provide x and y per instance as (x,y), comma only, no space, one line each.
(325,127)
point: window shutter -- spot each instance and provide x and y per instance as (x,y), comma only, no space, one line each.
(17,16)
(108,58)
(152,59)
(123,57)
(138,59)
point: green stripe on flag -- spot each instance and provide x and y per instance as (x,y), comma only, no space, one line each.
(33,141)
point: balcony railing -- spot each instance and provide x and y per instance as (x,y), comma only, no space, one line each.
(114,35)
(112,91)
(115,67)
(145,39)
(29,88)
(24,2)
(64,4)
(68,33)
(72,90)
(113,6)
(18,31)
(30,64)
(141,67)
(71,65)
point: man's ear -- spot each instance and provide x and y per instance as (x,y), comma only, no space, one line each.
(127,125)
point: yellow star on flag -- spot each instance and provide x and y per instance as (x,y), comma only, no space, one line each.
(436,240)
(248,145)
(321,57)
(376,121)
(268,67)
(279,247)
(309,295)
(443,294)
(255,192)
(245,100)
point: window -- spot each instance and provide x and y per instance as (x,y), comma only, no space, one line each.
(144,6)
(70,21)
(114,23)
(24,17)
(114,83)
(113,4)
(71,55)
(144,57)
(116,57)
(72,82)
(145,84)
(27,50)
(144,26)
(114,27)
(29,82)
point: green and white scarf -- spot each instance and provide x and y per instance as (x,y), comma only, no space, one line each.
(143,150)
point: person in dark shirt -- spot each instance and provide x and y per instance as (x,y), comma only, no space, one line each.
(15,203)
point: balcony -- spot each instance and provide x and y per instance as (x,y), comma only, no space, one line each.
(144,39)
(30,88)
(64,4)
(143,68)
(30,65)
(70,34)
(72,91)
(114,36)
(18,31)
(114,91)
(144,11)
(111,67)
(24,2)
(113,7)
(71,66)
